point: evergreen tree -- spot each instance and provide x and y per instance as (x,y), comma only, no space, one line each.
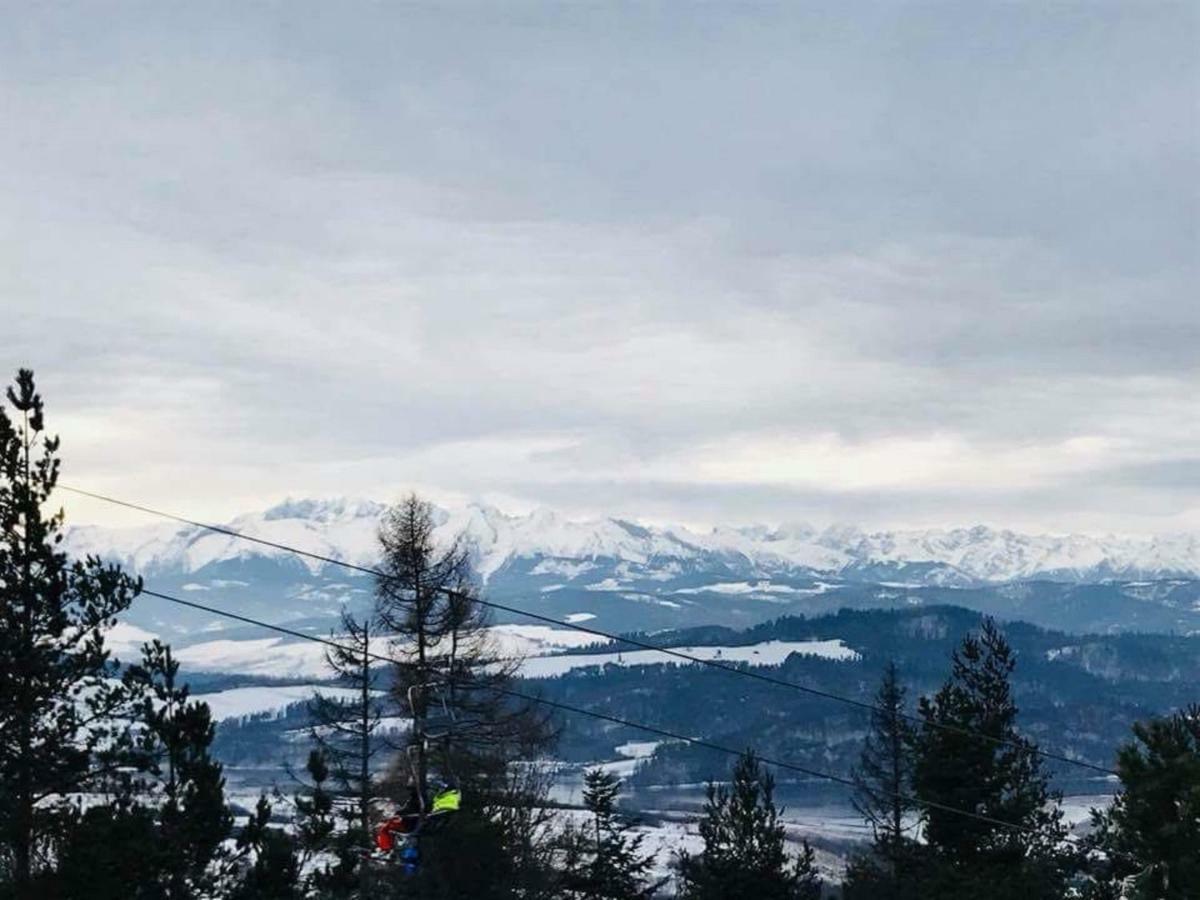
(62,720)
(345,730)
(744,856)
(1149,839)
(604,857)
(961,765)
(518,803)
(111,851)
(273,872)
(883,786)
(184,784)
(330,852)
(165,831)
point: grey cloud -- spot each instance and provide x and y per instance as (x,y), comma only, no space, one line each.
(305,234)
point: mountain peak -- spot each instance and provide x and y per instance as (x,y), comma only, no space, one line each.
(326,509)
(346,528)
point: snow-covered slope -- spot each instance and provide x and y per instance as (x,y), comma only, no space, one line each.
(768,653)
(544,543)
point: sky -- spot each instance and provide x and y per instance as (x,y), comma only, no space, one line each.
(891,264)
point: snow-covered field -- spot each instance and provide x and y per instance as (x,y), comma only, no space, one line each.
(769,653)
(541,640)
(273,657)
(282,657)
(239,703)
(670,834)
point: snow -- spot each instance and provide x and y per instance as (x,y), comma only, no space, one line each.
(1077,810)
(576,618)
(125,641)
(239,703)
(274,657)
(281,657)
(749,588)
(769,653)
(608,584)
(674,834)
(736,587)
(638,749)
(347,529)
(538,640)
(562,567)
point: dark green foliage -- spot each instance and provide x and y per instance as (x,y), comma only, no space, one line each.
(61,721)
(468,858)
(112,851)
(603,858)
(185,783)
(964,770)
(163,833)
(1076,693)
(744,856)
(322,834)
(883,787)
(1150,838)
(274,870)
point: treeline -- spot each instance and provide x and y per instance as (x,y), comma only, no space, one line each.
(960,803)
(1077,693)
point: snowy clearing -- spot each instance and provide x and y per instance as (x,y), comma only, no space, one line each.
(288,658)
(770,653)
(239,703)
(273,657)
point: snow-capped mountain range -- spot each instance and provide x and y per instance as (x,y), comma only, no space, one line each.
(346,529)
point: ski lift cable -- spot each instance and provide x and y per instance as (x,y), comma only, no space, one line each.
(617,720)
(609,636)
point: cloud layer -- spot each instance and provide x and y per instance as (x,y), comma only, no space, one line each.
(896,263)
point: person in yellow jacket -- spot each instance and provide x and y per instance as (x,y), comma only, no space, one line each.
(446,800)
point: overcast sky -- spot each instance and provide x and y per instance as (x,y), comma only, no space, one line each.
(896,264)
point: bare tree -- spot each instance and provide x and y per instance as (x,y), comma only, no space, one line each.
(447,668)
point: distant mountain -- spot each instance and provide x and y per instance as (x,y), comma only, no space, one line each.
(630,575)
(346,529)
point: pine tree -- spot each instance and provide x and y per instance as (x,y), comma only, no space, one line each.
(744,856)
(330,853)
(604,857)
(883,786)
(62,720)
(112,850)
(165,831)
(273,871)
(346,732)
(185,785)
(961,764)
(1149,839)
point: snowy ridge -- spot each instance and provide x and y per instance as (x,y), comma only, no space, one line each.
(346,530)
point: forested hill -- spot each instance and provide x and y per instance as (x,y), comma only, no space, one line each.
(1077,694)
